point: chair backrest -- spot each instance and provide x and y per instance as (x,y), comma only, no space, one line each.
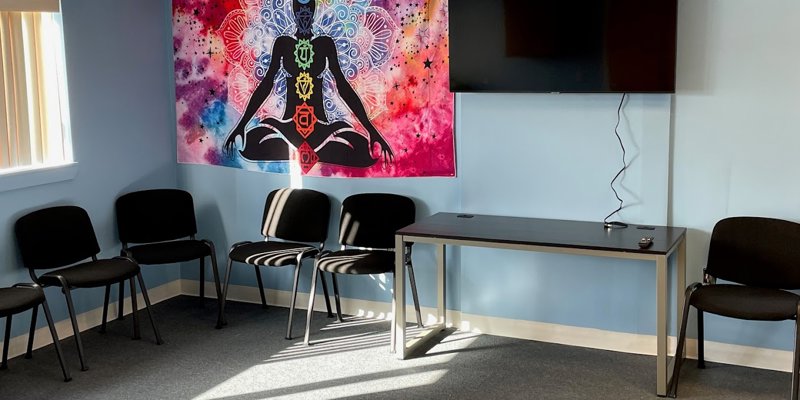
(300,215)
(56,236)
(756,251)
(371,219)
(155,215)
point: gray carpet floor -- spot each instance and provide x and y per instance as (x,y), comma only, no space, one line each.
(250,359)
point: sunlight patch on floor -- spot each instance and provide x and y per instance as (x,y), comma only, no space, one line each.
(373,386)
(338,367)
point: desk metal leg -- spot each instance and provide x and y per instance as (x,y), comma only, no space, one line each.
(680,291)
(399,345)
(661,325)
(441,280)
(399,299)
(680,300)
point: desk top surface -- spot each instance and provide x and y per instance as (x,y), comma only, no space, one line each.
(544,232)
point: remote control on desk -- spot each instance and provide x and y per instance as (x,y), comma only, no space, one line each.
(645,242)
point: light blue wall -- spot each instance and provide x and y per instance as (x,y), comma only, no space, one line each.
(553,156)
(736,123)
(122,129)
(547,156)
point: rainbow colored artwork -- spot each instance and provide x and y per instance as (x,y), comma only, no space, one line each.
(339,88)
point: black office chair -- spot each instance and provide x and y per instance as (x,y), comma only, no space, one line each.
(63,236)
(292,219)
(761,257)
(22,297)
(161,223)
(367,226)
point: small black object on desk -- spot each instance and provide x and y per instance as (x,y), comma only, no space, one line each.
(614,225)
(645,242)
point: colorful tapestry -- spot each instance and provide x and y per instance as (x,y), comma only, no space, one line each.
(346,88)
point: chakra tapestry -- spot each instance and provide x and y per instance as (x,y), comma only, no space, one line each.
(345,88)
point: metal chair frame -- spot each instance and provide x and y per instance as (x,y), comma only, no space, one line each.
(293,216)
(379,234)
(710,280)
(297,265)
(67,288)
(32,332)
(126,252)
(339,318)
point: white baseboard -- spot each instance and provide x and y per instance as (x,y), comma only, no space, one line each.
(89,319)
(779,360)
(756,357)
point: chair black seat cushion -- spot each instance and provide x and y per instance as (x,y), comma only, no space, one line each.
(14,300)
(272,254)
(357,262)
(746,302)
(93,273)
(169,252)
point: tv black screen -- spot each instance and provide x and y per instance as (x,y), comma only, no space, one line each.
(566,46)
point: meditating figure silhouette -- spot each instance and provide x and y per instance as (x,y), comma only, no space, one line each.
(305,58)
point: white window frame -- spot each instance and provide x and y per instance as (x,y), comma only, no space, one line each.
(12,178)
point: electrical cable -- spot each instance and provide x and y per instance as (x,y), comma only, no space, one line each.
(616,224)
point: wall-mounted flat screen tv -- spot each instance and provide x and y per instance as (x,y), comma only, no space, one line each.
(565,46)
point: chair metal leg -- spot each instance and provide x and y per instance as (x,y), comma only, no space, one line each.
(672,385)
(76,332)
(413,283)
(120,314)
(218,290)
(701,360)
(56,342)
(32,332)
(105,309)
(217,287)
(134,308)
(260,286)
(215,269)
(4,363)
(221,320)
(325,293)
(294,298)
(311,296)
(147,306)
(336,298)
(202,279)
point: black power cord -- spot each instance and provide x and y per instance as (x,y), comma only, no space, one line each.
(617,224)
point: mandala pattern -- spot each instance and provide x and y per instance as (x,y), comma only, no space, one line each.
(222,52)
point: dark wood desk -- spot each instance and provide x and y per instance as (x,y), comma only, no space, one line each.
(543,235)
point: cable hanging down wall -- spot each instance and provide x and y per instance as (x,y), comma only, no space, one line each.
(617,224)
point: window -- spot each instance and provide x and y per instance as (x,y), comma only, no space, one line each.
(34,113)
